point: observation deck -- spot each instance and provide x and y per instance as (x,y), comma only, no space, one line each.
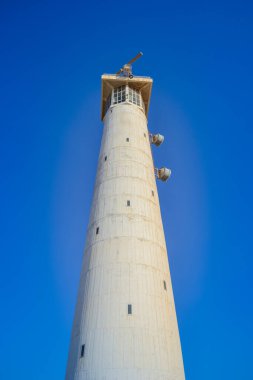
(118,89)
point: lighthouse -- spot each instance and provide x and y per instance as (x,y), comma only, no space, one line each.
(125,325)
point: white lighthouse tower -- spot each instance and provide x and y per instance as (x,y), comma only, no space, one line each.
(125,325)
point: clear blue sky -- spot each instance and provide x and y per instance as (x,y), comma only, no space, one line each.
(200,56)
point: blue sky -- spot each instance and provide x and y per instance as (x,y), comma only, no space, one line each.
(200,56)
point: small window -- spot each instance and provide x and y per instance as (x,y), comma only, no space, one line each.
(105,158)
(144,134)
(153,192)
(128,203)
(127,139)
(164,285)
(97,231)
(129,309)
(82,350)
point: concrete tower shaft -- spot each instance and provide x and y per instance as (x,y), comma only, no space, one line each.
(125,323)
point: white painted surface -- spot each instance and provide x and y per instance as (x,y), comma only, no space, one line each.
(126,263)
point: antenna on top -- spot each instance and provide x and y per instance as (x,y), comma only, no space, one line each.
(126,70)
